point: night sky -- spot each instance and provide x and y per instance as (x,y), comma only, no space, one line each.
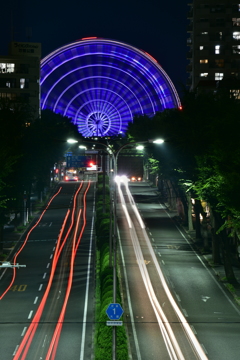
(158,27)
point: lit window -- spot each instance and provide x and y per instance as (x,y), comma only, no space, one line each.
(204,33)
(219,63)
(236,21)
(22,83)
(236,35)
(218,76)
(201,47)
(203,74)
(217,49)
(235,93)
(8,84)
(10,96)
(203,61)
(236,49)
(7,67)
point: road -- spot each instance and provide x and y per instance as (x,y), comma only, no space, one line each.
(48,312)
(206,306)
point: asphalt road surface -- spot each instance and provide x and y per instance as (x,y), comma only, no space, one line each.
(206,305)
(21,303)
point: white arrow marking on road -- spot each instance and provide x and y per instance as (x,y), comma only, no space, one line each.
(205,298)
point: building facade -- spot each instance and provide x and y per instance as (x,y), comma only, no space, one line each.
(214,45)
(20,74)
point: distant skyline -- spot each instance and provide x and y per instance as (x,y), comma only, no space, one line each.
(156,27)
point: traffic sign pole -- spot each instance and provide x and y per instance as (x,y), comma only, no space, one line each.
(114,312)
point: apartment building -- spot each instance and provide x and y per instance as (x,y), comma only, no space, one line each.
(20,74)
(214,45)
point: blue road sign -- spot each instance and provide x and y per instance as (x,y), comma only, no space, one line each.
(114,311)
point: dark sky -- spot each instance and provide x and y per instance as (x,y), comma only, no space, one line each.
(152,25)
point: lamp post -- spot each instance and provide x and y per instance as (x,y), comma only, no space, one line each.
(113,239)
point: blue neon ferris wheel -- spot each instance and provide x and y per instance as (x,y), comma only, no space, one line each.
(102,84)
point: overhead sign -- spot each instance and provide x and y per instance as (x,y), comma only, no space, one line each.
(76,161)
(114,311)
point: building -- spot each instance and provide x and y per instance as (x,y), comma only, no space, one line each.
(20,74)
(214,45)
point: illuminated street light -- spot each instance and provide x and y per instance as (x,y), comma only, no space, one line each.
(72,141)
(139,147)
(157,141)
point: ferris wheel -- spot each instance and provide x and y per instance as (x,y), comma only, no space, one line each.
(101,84)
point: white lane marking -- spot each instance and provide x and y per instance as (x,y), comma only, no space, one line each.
(36,299)
(44,341)
(193,329)
(30,314)
(15,350)
(178,297)
(185,312)
(159,254)
(129,301)
(51,256)
(205,298)
(50,224)
(40,287)
(87,288)
(54,248)
(163,262)
(204,349)
(48,265)
(44,275)
(24,330)
(153,239)
(150,233)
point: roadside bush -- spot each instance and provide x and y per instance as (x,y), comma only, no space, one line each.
(104,293)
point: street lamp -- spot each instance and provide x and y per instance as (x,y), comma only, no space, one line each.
(72,141)
(113,239)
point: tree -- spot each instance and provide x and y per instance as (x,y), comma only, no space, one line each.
(202,148)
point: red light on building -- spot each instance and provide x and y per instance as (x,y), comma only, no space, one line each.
(151,56)
(89,38)
(180,107)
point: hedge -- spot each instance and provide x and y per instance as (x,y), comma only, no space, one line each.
(104,292)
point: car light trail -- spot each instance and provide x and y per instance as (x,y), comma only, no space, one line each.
(168,334)
(56,336)
(24,243)
(24,347)
(33,326)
